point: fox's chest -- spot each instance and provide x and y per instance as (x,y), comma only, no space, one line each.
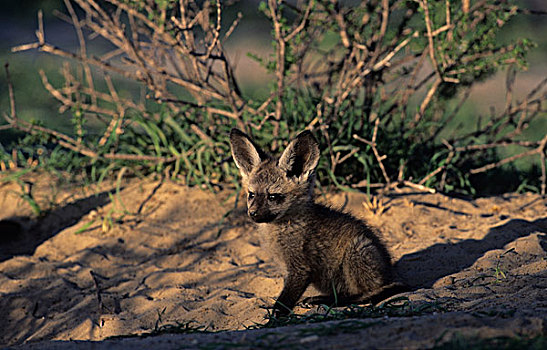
(284,241)
(281,238)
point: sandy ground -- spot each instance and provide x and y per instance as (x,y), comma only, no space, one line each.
(163,253)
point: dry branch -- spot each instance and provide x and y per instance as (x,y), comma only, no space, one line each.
(383,75)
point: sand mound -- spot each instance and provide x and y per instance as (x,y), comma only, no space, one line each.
(164,253)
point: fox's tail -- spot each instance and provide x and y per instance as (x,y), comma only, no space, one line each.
(375,297)
(386,292)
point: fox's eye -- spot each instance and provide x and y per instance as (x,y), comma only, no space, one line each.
(276,197)
(251,195)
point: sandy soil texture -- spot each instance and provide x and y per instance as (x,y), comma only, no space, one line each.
(163,253)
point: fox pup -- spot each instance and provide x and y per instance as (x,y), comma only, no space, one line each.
(335,252)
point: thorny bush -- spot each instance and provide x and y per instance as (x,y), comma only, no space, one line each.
(380,83)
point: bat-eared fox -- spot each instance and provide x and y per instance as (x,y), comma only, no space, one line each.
(338,254)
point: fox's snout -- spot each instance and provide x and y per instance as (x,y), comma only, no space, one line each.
(261,217)
(259,212)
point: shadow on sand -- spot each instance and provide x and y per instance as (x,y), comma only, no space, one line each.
(22,235)
(422,269)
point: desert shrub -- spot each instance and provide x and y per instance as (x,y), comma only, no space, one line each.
(380,83)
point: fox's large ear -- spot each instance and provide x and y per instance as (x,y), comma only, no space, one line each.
(301,156)
(246,154)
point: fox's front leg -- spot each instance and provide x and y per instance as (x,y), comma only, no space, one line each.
(296,283)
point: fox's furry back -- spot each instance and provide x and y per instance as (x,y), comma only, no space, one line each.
(342,254)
